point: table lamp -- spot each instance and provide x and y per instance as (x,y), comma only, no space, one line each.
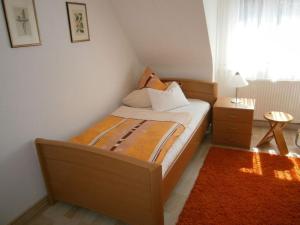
(238,81)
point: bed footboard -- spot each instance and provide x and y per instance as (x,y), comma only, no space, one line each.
(113,184)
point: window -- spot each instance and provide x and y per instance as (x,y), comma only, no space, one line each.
(259,38)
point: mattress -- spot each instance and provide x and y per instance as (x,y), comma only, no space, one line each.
(198,109)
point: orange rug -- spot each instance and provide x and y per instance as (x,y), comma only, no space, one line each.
(237,187)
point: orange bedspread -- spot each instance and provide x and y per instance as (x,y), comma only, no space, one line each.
(147,140)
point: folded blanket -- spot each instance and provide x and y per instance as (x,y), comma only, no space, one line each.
(139,133)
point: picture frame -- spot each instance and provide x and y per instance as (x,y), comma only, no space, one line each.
(22,23)
(78,22)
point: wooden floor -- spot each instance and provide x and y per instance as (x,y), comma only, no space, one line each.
(64,214)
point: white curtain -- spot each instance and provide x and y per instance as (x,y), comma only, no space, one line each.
(259,38)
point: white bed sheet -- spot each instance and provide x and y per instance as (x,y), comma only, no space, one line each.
(198,109)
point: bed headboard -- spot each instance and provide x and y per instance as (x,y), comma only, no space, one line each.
(204,90)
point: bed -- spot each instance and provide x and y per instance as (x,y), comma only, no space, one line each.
(131,190)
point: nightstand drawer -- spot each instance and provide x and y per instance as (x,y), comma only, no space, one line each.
(238,140)
(233,115)
(231,127)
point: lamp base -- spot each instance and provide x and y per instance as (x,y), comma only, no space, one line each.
(236,100)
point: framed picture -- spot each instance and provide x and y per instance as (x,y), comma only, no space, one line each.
(78,22)
(22,24)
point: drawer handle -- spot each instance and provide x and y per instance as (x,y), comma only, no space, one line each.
(232,116)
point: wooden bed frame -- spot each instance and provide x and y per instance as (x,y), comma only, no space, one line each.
(116,185)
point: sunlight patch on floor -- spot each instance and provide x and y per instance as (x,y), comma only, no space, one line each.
(292,174)
(272,152)
(296,169)
(293,154)
(283,175)
(256,167)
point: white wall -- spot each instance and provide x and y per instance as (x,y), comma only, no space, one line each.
(170,36)
(211,14)
(55,91)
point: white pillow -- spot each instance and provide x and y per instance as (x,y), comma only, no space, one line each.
(137,99)
(169,99)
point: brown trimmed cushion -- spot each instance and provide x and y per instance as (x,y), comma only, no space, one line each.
(150,80)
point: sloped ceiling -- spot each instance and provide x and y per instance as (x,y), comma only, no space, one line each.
(170,36)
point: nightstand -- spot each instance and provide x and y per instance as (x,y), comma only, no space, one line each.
(232,123)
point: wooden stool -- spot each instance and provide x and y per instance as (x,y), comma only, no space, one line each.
(277,121)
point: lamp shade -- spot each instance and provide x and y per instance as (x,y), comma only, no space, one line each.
(238,81)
